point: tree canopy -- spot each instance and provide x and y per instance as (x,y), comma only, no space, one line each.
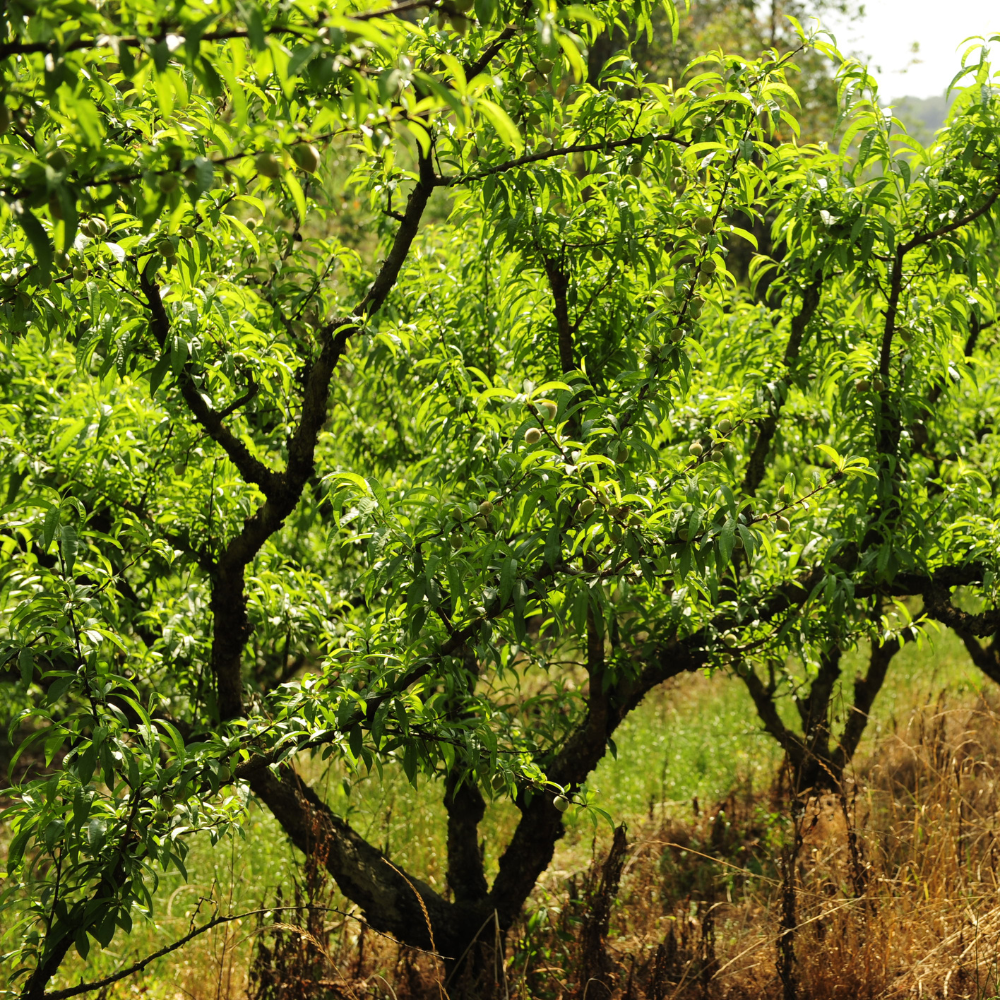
(453,491)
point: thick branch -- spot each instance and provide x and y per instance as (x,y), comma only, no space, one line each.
(250,467)
(466,876)
(757,462)
(987,659)
(586,147)
(559,283)
(387,895)
(865,690)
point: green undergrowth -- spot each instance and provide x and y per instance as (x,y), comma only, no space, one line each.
(695,738)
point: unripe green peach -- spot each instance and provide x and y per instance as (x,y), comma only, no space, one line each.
(548,408)
(861,385)
(621,452)
(267,164)
(586,508)
(225,773)
(695,449)
(978,161)
(683,534)
(498,782)
(877,384)
(166,248)
(456,541)
(561,803)
(186,232)
(695,306)
(544,66)
(532,435)
(725,426)
(79,273)
(676,335)
(782,523)
(179,468)
(461,24)
(457,514)
(635,167)
(306,157)
(729,639)
(703,224)
(708,266)
(485,508)
(737,542)
(58,159)
(480,523)
(98,227)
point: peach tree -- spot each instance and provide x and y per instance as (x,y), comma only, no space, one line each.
(380,383)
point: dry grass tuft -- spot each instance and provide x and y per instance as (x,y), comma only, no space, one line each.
(887,891)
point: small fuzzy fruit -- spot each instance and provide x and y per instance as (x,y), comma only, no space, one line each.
(498,782)
(708,266)
(461,24)
(561,803)
(167,183)
(906,336)
(695,306)
(544,147)
(456,540)
(861,385)
(79,273)
(458,514)
(782,523)
(267,165)
(57,159)
(225,773)
(179,468)
(186,232)
(586,508)
(676,335)
(703,224)
(529,76)
(251,224)
(725,426)
(696,449)
(166,248)
(55,207)
(306,157)
(532,435)
(977,161)
(549,409)
(463,6)
(716,454)
(98,227)
(635,167)
(480,523)
(485,508)
(621,452)
(729,639)
(683,534)
(544,66)
(597,255)
(877,384)
(704,278)
(782,492)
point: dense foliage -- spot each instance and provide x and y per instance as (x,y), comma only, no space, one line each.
(457,501)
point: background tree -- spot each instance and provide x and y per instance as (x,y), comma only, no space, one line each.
(456,503)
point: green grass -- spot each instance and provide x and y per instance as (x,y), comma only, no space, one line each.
(696,737)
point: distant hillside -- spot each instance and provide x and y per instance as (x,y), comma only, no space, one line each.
(922,116)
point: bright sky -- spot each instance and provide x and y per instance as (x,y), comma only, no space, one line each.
(890,27)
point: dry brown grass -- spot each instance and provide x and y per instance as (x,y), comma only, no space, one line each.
(893,885)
